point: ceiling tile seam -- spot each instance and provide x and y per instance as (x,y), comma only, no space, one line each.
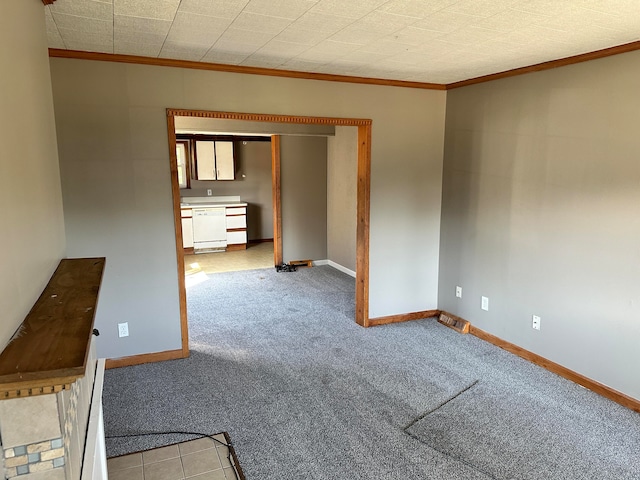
(175,14)
(225,31)
(48,7)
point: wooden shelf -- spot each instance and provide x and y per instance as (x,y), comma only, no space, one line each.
(49,350)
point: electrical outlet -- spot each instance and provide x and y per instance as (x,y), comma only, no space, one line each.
(535,322)
(485,303)
(459,292)
(123,329)
(209,192)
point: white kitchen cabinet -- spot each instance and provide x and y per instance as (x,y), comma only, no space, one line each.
(225,166)
(187,227)
(214,160)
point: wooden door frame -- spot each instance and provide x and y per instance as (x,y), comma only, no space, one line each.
(362,202)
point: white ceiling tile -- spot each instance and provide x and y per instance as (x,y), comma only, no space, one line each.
(245,37)
(286,49)
(300,65)
(125,36)
(137,24)
(327,49)
(295,34)
(196,29)
(183,51)
(214,56)
(86,8)
(386,47)
(350,9)
(291,9)
(469,36)
(140,49)
(446,21)
(233,48)
(77,36)
(82,24)
(361,56)
(263,61)
(214,8)
(509,20)
(481,8)
(260,23)
(321,22)
(416,8)
(415,36)
(159,9)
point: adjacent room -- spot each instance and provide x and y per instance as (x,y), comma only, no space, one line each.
(465,195)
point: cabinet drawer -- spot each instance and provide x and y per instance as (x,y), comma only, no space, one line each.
(236,211)
(186,212)
(239,221)
(236,237)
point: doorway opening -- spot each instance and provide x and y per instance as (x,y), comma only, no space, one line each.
(362,198)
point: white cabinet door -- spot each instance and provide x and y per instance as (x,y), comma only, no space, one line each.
(225,168)
(187,232)
(205,160)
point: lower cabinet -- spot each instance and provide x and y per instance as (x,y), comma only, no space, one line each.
(236,226)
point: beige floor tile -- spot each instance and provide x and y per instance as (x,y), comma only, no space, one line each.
(160,454)
(133,473)
(126,461)
(166,470)
(255,256)
(215,475)
(201,462)
(196,445)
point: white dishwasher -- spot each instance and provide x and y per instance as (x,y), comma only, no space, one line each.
(209,229)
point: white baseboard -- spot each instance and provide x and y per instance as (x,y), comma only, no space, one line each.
(335,265)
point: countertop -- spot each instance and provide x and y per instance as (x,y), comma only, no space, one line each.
(212,204)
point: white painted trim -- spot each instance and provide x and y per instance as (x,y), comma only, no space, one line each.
(337,266)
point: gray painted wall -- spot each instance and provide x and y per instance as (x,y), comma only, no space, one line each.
(114,156)
(303,184)
(540,213)
(32,236)
(252,184)
(342,174)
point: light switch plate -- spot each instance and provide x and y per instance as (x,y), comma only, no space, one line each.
(485,304)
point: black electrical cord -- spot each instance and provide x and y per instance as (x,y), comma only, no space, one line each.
(229,444)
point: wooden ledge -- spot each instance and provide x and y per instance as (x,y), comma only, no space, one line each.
(49,350)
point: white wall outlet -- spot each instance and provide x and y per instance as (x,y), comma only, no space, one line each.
(123,329)
(459,292)
(535,322)
(209,192)
(485,303)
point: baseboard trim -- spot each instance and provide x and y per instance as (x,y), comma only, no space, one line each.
(144,358)
(318,263)
(594,386)
(403,317)
(337,266)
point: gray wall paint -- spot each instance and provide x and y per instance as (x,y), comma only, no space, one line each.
(32,235)
(540,213)
(253,160)
(114,158)
(303,180)
(342,174)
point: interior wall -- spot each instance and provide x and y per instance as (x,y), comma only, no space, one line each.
(540,196)
(252,184)
(303,197)
(112,131)
(342,175)
(32,236)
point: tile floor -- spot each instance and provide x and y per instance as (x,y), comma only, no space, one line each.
(201,459)
(257,255)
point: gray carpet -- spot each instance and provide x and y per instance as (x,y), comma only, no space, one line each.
(305,393)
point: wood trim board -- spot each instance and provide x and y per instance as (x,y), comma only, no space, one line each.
(558,369)
(145,358)
(276,200)
(403,317)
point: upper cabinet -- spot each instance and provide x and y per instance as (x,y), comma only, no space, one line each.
(214,160)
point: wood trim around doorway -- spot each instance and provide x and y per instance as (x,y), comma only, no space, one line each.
(362,201)
(277,206)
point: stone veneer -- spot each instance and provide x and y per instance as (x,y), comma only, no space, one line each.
(43,436)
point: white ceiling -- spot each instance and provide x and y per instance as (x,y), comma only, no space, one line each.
(434,41)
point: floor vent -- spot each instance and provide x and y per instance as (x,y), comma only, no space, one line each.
(458,324)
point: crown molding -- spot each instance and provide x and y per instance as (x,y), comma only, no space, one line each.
(219,67)
(562,62)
